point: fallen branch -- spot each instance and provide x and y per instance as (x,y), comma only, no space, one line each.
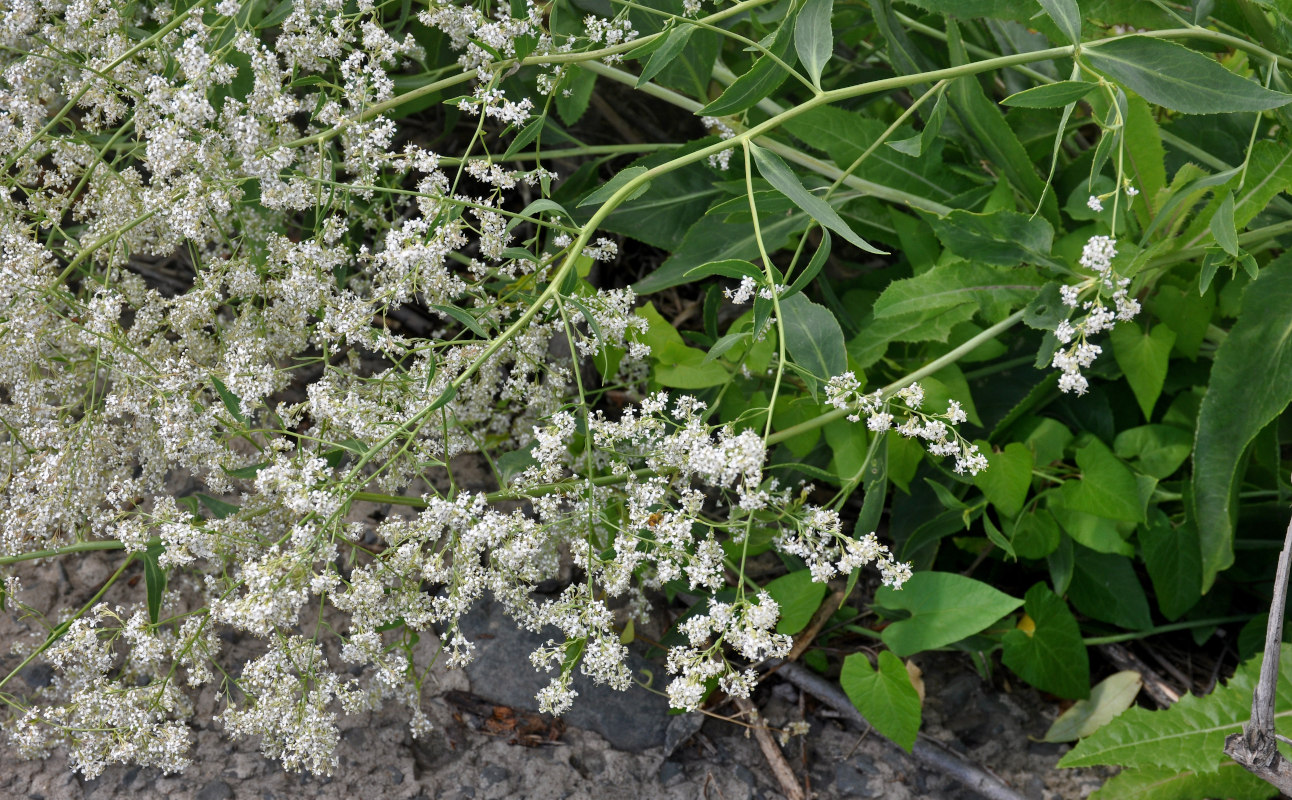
(928,754)
(771,751)
(1256,749)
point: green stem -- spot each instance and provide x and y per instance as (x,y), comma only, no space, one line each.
(79,547)
(1175,626)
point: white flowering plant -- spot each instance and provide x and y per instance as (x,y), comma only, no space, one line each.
(329,320)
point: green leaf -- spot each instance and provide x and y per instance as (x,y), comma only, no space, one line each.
(760,81)
(813,268)
(726,343)
(1155,450)
(1251,384)
(1050,656)
(574,94)
(799,597)
(813,337)
(1007,479)
(1050,95)
(997,538)
(1187,313)
(945,608)
(949,285)
(1066,16)
(1222,226)
(218,508)
(771,167)
(1003,238)
(675,200)
(604,192)
(1173,76)
(1143,358)
(885,697)
(1145,158)
(661,58)
(1108,698)
(917,145)
(468,321)
(232,403)
(1107,486)
(1190,735)
(1098,533)
(1157,783)
(154,580)
(1036,535)
(918,326)
(813,37)
(1104,586)
(735,268)
(1174,563)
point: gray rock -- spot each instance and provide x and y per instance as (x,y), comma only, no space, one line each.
(216,790)
(681,728)
(634,720)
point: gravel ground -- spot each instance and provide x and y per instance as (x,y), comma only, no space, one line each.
(610,745)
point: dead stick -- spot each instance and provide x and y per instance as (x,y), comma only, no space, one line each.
(771,751)
(1256,748)
(930,756)
(814,626)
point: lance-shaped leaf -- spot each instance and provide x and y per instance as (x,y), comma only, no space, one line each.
(950,285)
(1050,95)
(761,79)
(1173,76)
(814,37)
(661,58)
(1251,384)
(813,337)
(779,175)
(1067,16)
(1004,238)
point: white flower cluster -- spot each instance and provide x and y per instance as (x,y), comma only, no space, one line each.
(936,431)
(1077,353)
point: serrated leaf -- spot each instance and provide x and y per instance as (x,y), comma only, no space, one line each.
(1189,735)
(918,326)
(1108,698)
(1229,780)
(813,337)
(814,37)
(779,175)
(949,285)
(885,697)
(1251,384)
(799,597)
(1050,656)
(1143,358)
(1050,95)
(1173,76)
(1003,238)
(945,608)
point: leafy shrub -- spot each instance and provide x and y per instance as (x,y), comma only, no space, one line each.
(1001,281)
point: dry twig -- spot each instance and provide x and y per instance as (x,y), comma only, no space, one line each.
(772,752)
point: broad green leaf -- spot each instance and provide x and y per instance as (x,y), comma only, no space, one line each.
(799,597)
(1003,238)
(574,94)
(814,37)
(1096,532)
(1189,735)
(154,580)
(1229,780)
(1187,313)
(1066,16)
(1047,439)
(1173,76)
(1046,648)
(604,192)
(1174,564)
(813,337)
(1104,586)
(1143,358)
(918,326)
(885,697)
(726,343)
(1007,479)
(760,81)
(1036,535)
(661,58)
(1050,95)
(714,237)
(779,175)
(1108,698)
(1155,450)
(728,268)
(949,285)
(944,607)
(1251,384)
(849,442)
(917,145)
(1107,487)
(675,364)
(674,201)
(1144,159)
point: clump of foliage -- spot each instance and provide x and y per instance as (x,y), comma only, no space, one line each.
(988,295)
